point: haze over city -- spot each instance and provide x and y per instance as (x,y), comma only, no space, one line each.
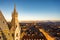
(31,9)
(29,19)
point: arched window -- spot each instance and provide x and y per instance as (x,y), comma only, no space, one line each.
(16,26)
(3,21)
(0,37)
(16,34)
(12,35)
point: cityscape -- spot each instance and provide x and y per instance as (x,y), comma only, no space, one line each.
(29,20)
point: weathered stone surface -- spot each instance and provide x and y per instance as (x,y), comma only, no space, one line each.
(4,27)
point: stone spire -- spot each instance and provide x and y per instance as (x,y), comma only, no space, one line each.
(14,18)
(15,29)
(14,7)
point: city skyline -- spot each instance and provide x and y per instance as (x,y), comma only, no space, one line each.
(31,9)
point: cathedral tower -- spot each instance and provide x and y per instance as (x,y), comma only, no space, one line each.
(15,29)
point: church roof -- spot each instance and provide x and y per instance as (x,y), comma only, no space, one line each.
(4,26)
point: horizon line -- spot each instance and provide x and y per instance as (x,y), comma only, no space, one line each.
(35,20)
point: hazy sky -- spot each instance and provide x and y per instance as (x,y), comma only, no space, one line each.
(31,9)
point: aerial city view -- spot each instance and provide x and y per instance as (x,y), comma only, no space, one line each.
(29,19)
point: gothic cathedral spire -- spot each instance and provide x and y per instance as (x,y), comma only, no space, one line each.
(14,7)
(15,29)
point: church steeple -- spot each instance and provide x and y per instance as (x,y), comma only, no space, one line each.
(14,7)
(15,14)
(15,25)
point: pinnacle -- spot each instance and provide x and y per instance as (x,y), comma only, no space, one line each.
(14,7)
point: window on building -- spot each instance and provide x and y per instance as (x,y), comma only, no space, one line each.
(17,35)
(0,37)
(16,26)
(12,35)
(3,21)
